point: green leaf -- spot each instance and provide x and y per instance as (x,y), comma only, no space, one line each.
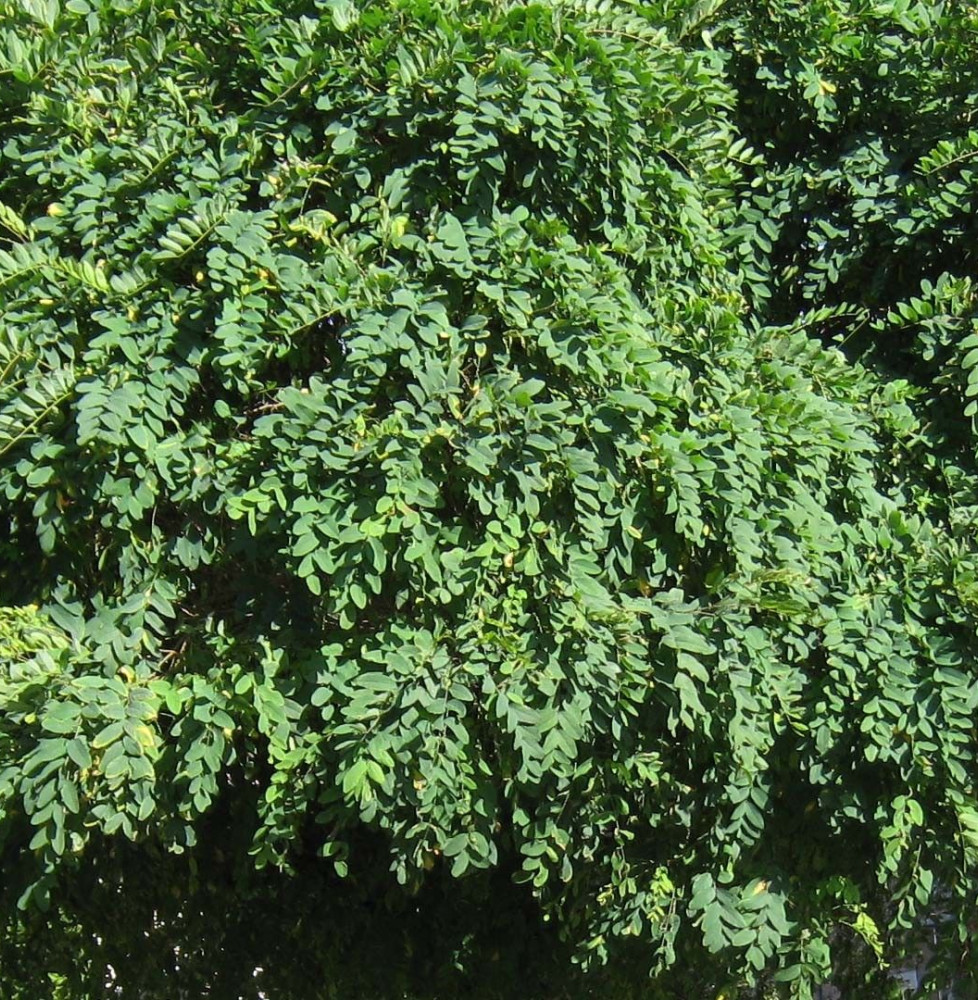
(78,751)
(107,735)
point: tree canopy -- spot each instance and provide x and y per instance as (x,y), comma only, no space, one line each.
(489,497)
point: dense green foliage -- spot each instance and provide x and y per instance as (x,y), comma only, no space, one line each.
(489,496)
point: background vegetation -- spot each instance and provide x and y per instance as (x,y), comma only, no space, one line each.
(489,497)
